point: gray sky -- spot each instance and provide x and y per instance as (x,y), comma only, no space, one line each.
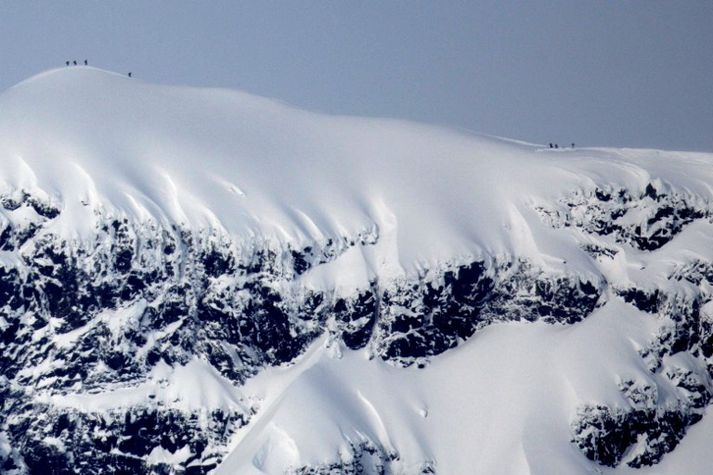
(596,72)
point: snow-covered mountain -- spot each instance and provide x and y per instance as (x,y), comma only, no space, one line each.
(201,280)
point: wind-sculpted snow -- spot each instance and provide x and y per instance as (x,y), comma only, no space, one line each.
(85,317)
(198,281)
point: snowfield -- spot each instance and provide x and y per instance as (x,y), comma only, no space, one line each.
(202,280)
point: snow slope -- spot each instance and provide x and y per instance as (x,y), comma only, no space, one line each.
(256,166)
(95,144)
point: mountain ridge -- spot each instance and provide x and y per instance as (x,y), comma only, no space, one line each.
(198,280)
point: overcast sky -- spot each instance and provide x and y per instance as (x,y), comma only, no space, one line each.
(599,72)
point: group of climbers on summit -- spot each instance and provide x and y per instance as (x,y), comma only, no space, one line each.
(86,63)
(556,145)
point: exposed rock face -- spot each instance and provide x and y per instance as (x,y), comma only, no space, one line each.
(649,428)
(61,441)
(645,221)
(425,318)
(87,316)
(105,313)
(363,458)
(642,433)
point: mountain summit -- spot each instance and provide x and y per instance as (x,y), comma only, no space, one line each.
(203,280)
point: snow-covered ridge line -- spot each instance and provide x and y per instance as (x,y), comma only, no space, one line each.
(86,140)
(196,280)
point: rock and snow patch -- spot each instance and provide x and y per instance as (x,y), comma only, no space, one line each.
(204,280)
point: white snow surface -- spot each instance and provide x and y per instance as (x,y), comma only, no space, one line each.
(90,140)
(500,403)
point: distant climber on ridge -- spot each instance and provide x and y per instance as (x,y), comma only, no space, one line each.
(129,74)
(85,62)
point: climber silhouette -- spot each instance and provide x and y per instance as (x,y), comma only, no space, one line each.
(85,62)
(67,63)
(129,74)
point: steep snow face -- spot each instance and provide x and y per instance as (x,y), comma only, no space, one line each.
(196,280)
